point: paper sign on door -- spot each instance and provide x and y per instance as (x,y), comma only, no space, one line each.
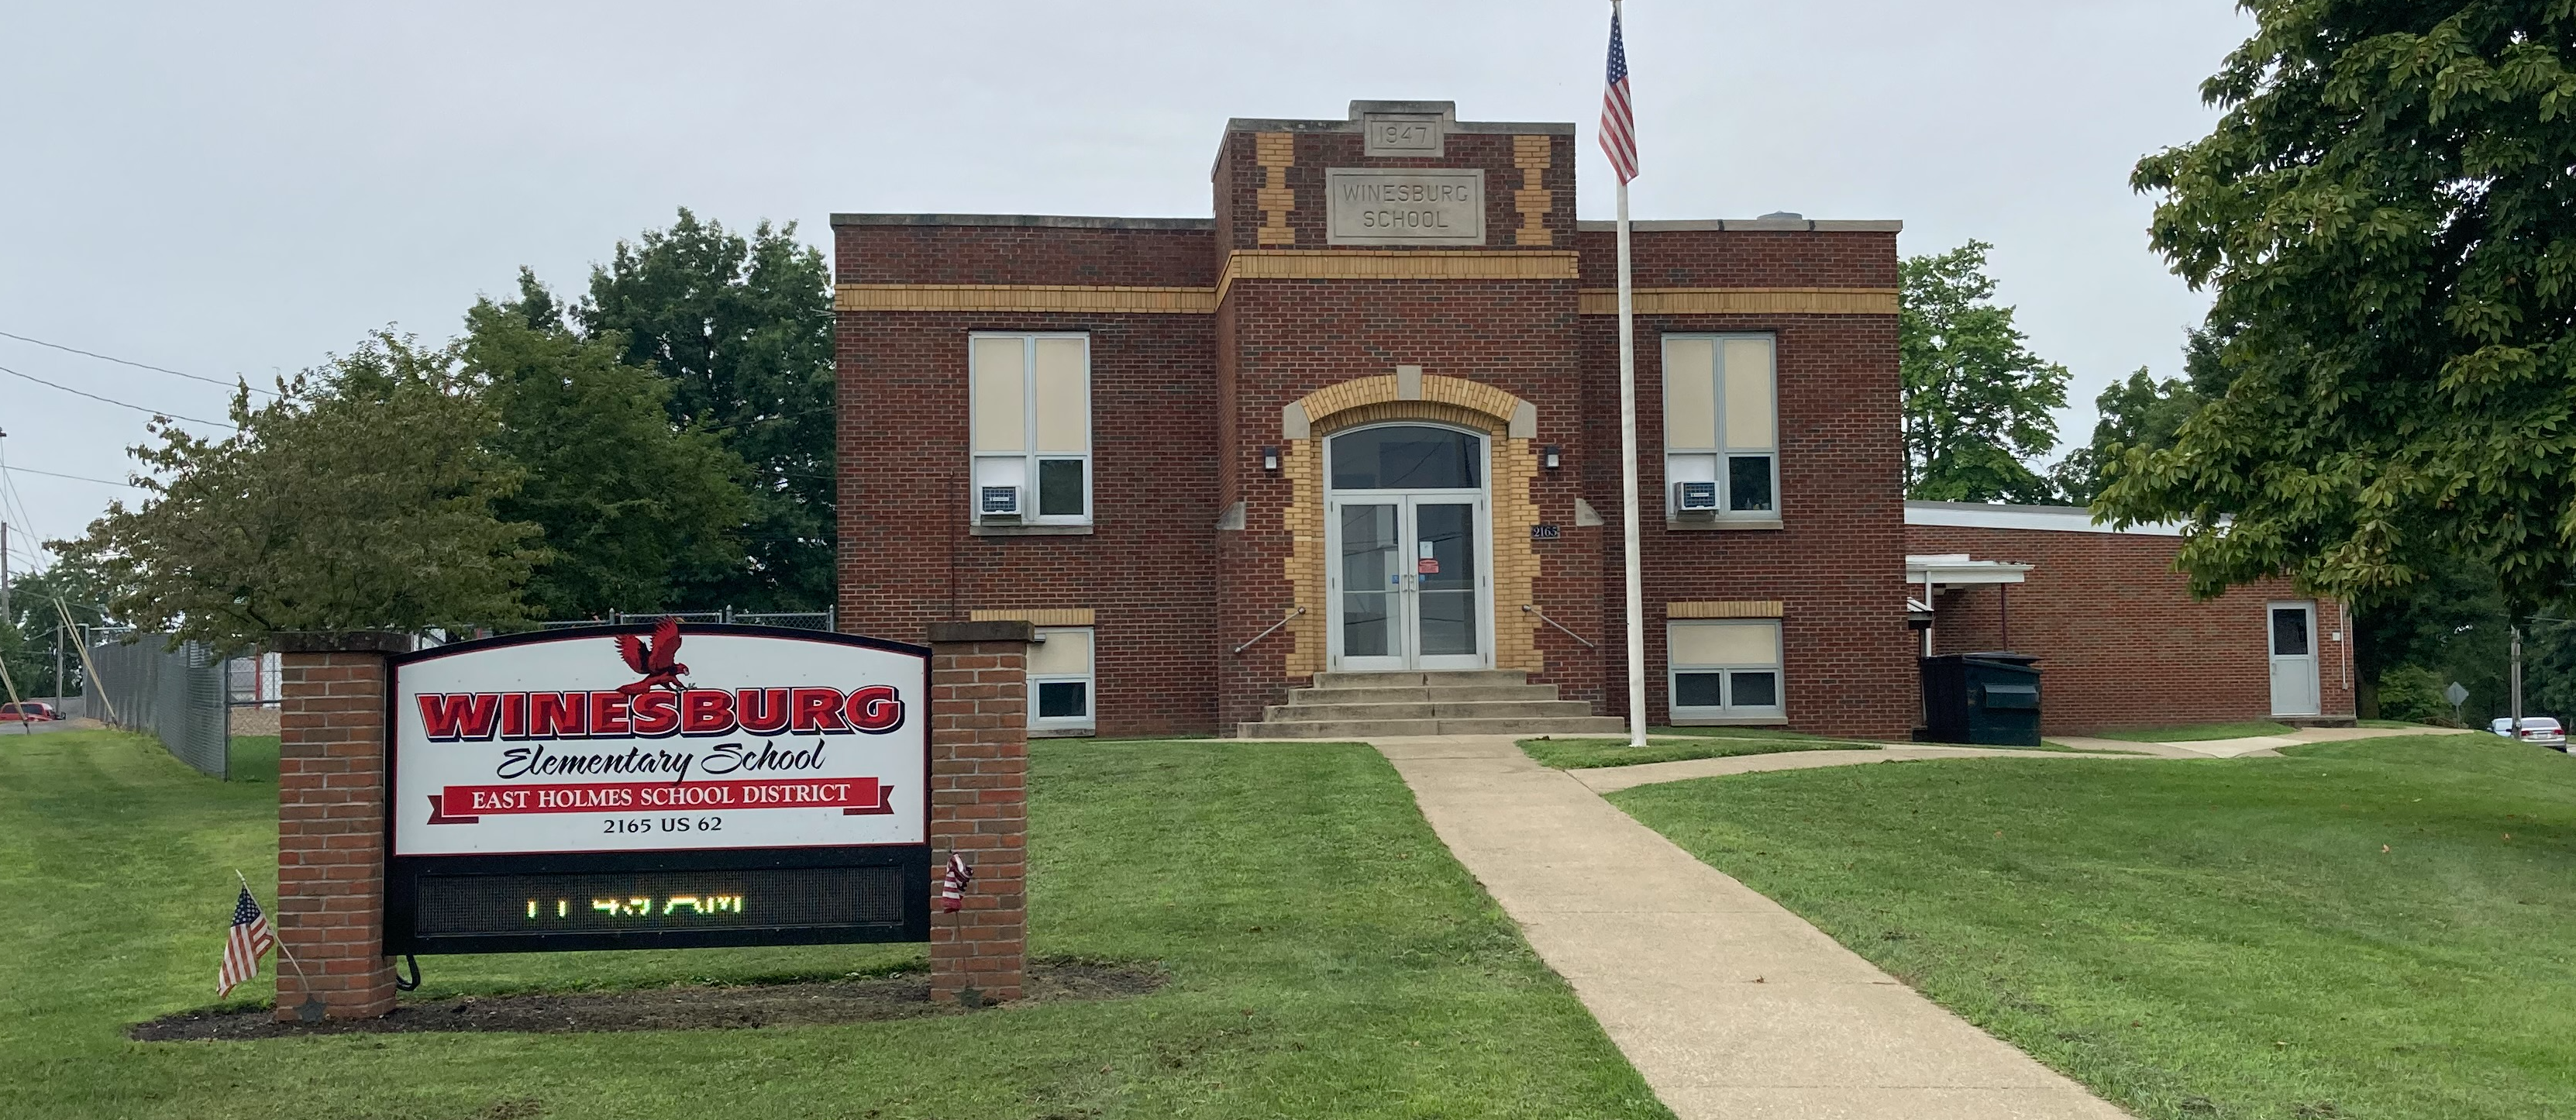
(1426,567)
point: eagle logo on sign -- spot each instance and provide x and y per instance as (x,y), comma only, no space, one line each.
(659,661)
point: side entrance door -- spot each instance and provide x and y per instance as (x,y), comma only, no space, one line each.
(1407,586)
(2294,659)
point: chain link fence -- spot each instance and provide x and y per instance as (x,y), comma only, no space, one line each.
(179,696)
(798,620)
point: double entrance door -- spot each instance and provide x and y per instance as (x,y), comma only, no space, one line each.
(1407,584)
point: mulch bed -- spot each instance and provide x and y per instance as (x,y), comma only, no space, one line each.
(679,1008)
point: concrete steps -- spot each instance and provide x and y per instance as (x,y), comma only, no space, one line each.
(1369,705)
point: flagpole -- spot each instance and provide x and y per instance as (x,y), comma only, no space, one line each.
(1636,579)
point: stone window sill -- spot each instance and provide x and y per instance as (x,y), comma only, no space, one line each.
(982,530)
(1721,524)
(1062,733)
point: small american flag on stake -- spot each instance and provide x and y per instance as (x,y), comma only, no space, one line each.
(1618,120)
(248,938)
(952,887)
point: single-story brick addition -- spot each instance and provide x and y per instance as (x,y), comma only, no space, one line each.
(1344,459)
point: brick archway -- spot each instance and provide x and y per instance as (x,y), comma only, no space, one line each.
(1508,422)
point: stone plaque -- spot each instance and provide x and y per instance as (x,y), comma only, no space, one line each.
(1382,206)
(1402,134)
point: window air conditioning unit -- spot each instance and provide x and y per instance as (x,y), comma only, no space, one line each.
(1695,497)
(998,501)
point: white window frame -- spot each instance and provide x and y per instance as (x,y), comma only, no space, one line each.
(1729,711)
(1029,457)
(1721,456)
(1089,678)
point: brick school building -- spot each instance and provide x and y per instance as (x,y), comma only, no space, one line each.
(1343,458)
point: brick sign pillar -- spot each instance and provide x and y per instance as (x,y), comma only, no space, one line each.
(331,826)
(979,764)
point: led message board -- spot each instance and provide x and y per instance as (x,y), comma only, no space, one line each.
(657,787)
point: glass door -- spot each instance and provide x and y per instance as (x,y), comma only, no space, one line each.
(1369,572)
(1446,590)
(1408,588)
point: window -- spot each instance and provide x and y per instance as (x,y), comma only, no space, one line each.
(1721,421)
(1060,681)
(1031,426)
(1727,670)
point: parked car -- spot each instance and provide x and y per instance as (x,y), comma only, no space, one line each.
(2539,731)
(28,712)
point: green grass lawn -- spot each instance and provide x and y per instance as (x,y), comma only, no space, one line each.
(1672,745)
(2374,928)
(2197,732)
(1326,956)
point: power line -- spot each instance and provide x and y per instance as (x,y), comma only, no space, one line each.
(117,403)
(73,477)
(137,365)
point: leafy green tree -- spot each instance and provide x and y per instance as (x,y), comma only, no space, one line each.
(742,328)
(362,497)
(2386,217)
(2140,412)
(630,506)
(1978,403)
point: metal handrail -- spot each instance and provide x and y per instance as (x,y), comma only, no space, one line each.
(1274,628)
(1542,617)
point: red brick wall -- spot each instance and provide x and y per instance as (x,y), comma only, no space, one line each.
(331,829)
(1837,563)
(1028,254)
(979,765)
(2121,641)
(1295,336)
(1148,567)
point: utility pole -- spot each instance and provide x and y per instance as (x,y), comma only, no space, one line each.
(2517,683)
(12,619)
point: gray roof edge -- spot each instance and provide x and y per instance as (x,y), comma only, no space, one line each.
(1513,128)
(1704,225)
(1054,221)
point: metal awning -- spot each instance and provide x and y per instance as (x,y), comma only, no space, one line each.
(1955,568)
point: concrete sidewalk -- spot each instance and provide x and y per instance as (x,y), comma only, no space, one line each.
(1611,778)
(1728,1004)
(2253,744)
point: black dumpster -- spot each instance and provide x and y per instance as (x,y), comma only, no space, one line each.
(1987,698)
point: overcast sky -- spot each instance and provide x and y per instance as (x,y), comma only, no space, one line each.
(225,189)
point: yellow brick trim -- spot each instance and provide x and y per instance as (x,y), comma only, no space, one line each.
(1045,616)
(1302,465)
(1514,510)
(1393,264)
(1723,608)
(1276,152)
(1516,563)
(1533,200)
(1023,297)
(1488,405)
(1741,301)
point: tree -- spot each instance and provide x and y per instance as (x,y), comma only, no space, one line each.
(629,505)
(2385,216)
(361,498)
(742,328)
(2140,412)
(1978,403)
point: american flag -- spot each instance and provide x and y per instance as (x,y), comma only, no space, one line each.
(1618,119)
(952,888)
(242,946)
